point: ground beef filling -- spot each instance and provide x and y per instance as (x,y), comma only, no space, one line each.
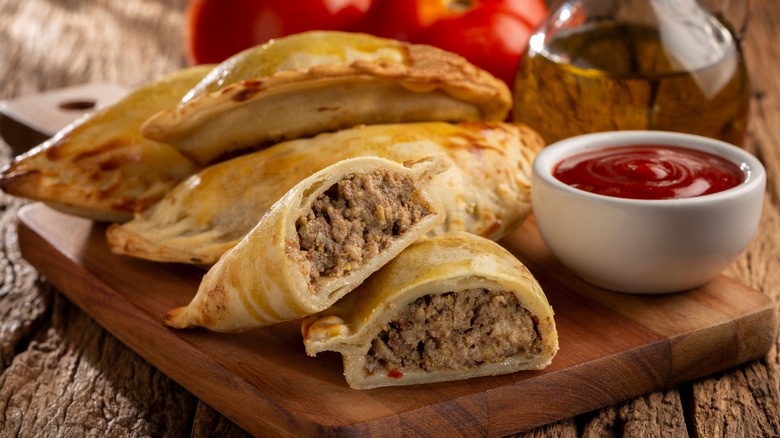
(455,332)
(356,218)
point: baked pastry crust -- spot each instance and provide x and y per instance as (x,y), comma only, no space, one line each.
(322,81)
(100,166)
(486,191)
(274,275)
(455,263)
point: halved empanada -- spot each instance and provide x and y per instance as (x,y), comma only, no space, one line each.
(446,308)
(321,81)
(100,166)
(317,243)
(486,191)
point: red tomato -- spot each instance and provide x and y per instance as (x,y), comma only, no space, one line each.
(405,19)
(218,29)
(491,37)
(532,12)
(492,34)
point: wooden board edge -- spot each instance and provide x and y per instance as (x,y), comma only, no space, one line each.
(54,266)
(746,338)
(490,420)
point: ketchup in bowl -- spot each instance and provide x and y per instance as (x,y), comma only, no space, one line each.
(643,245)
(648,172)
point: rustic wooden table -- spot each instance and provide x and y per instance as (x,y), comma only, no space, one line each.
(62,374)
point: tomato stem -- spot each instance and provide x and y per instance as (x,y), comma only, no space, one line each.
(460,5)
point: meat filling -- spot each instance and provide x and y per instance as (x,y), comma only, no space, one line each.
(455,331)
(356,218)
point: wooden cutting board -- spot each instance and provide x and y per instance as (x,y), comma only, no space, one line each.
(612,346)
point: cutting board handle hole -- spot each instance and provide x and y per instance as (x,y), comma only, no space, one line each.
(78,105)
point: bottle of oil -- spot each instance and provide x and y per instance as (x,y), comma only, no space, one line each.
(602,65)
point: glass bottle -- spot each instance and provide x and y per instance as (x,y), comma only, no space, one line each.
(602,65)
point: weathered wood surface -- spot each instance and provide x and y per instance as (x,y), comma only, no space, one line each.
(613,346)
(61,374)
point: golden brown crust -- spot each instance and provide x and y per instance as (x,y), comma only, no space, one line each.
(449,264)
(266,278)
(100,166)
(486,191)
(420,83)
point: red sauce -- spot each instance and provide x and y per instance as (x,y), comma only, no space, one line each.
(648,172)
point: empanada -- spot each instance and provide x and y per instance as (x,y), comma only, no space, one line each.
(486,191)
(320,81)
(317,243)
(446,308)
(100,166)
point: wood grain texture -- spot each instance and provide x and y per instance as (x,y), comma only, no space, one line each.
(613,346)
(73,359)
(47,389)
(47,44)
(746,401)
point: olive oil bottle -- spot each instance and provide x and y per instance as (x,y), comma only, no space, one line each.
(606,75)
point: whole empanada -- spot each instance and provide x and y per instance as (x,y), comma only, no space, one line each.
(317,243)
(320,81)
(486,191)
(446,308)
(100,166)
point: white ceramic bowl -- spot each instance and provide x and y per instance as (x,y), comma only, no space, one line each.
(646,246)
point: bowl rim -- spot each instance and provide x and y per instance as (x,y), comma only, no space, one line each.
(549,156)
